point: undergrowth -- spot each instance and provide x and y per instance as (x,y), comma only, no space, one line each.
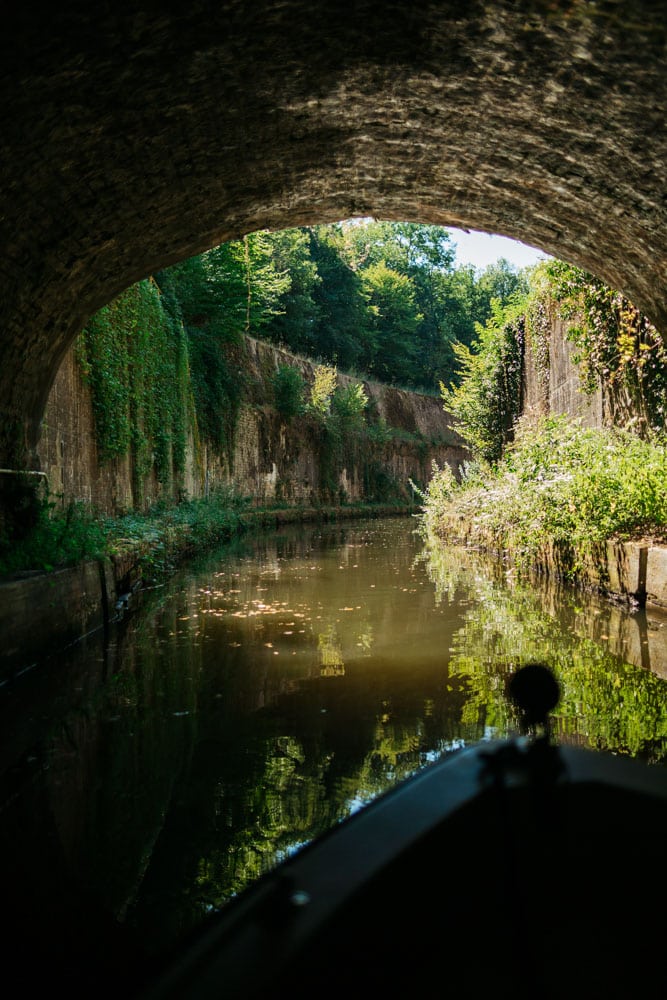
(66,536)
(61,536)
(558,483)
(158,539)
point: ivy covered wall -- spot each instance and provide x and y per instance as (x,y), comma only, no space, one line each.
(569,346)
(133,354)
(141,414)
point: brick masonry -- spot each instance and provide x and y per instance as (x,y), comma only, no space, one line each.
(134,136)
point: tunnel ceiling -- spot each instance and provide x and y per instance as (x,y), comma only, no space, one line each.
(136,134)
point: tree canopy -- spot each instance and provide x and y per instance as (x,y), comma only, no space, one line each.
(380,299)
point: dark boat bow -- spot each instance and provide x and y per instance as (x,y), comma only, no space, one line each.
(510,869)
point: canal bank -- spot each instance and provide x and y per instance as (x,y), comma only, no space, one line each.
(42,613)
(632,572)
(263,693)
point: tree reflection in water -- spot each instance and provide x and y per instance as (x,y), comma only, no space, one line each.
(262,696)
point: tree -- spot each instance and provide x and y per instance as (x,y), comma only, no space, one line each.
(500,281)
(394,319)
(341,324)
(247,272)
(487,401)
(294,313)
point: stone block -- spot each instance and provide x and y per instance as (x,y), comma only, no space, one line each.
(49,611)
(626,563)
(656,577)
(655,644)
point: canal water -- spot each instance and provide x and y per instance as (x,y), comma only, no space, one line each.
(261,696)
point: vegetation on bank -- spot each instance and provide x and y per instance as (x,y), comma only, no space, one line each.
(65,536)
(559,483)
(543,481)
(159,538)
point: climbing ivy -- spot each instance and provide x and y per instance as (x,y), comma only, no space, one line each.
(102,352)
(193,299)
(618,350)
(134,356)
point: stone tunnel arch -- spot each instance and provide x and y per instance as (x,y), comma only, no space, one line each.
(135,135)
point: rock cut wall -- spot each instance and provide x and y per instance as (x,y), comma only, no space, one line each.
(561,392)
(271,460)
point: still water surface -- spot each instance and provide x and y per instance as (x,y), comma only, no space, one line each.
(266,693)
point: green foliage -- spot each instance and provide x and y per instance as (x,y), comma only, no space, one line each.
(66,535)
(103,352)
(348,405)
(207,297)
(487,402)
(340,329)
(164,535)
(560,484)
(394,319)
(208,292)
(322,389)
(343,435)
(60,536)
(499,282)
(218,382)
(617,348)
(134,355)
(234,288)
(538,335)
(345,440)
(294,314)
(289,391)
(267,277)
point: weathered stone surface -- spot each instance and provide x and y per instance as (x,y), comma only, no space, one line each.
(656,576)
(135,135)
(50,611)
(625,569)
(565,395)
(271,461)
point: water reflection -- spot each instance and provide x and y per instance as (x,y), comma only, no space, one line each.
(610,660)
(261,697)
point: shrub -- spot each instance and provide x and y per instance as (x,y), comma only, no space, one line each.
(61,536)
(348,404)
(288,391)
(323,388)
